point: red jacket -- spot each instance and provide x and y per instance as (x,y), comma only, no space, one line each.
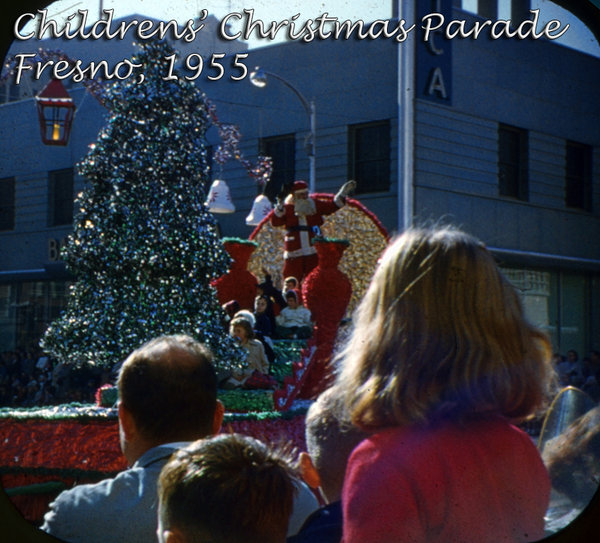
(482,482)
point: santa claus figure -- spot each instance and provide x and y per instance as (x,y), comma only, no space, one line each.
(302,217)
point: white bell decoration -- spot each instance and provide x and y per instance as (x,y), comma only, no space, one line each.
(219,198)
(260,209)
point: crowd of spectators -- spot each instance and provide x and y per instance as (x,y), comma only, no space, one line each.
(580,373)
(30,378)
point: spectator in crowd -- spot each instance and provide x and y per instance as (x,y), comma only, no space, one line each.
(441,363)
(570,371)
(595,361)
(34,394)
(25,382)
(227,489)
(167,398)
(592,382)
(330,438)
(294,321)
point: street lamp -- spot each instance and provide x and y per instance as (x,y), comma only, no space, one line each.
(55,113)
(258,78)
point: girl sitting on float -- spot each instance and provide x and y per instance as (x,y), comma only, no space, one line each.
(256,372)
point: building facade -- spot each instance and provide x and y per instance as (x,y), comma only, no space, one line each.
(498,136)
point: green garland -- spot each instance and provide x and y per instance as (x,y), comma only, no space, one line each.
(331,240)
(71,411)
(246,400)
(85,413)
(239,240)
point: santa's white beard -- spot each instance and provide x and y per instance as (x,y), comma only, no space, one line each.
(304,207)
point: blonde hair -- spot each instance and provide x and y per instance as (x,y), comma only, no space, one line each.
(441,333)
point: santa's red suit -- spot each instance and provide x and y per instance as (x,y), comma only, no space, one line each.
(300,257)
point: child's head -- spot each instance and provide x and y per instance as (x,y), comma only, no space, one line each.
(261,304)
(241,328)
(227,489)
(292,298)
(231,308)
(330,438)
(290,283)
(248,315)
(441,333)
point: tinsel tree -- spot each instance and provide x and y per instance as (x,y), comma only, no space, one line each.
(144,247)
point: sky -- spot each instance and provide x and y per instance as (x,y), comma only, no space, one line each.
(578,36)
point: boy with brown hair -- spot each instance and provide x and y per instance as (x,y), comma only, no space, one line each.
(227,489)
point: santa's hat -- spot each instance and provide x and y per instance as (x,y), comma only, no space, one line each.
(299,185)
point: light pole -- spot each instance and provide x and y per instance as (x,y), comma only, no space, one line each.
(258,78)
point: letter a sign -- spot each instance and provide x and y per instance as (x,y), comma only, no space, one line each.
(434,55)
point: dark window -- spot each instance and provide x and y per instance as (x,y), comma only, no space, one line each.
(282,149)
(369,156)
(7,203)
(512,162)
(578,176)
(60,197)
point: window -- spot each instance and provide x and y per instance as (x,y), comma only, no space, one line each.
(60,197)
(282,149)
(578,184)
(512,162)
(369,156)
(7,203)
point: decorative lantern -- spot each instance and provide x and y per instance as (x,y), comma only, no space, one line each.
(219,198)
(55,112)
(260,209)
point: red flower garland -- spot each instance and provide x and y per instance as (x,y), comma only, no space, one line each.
(35,451)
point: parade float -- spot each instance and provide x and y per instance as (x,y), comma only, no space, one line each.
(48,449)
(147,260)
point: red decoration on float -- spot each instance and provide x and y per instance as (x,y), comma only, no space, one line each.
(238,283)
(326,292)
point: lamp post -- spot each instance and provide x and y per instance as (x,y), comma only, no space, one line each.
(258,78)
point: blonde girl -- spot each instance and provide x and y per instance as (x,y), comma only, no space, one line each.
(256,373)
(441,362)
